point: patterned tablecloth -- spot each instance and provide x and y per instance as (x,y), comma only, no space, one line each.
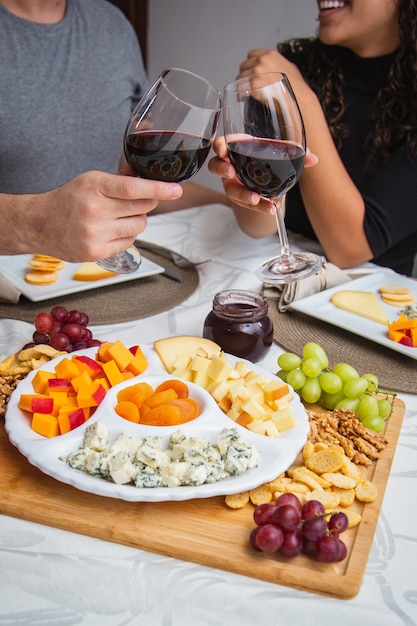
(52,577)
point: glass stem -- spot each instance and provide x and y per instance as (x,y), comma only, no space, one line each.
(279,204)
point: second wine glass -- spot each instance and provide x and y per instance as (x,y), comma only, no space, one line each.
(265,136)
(171,131)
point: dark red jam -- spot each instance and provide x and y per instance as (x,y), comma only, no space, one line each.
(239,324)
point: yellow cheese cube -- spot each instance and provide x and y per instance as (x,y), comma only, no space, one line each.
(283,419)
(199,364)
(184,374)
(218,390)
(275,389)
(218,369)
(257,426)
(201,379)
(254,409)
(255,391)
(242,367)
(270,429)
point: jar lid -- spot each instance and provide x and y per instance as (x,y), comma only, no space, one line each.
(240,304)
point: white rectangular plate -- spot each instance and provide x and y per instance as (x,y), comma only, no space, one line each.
(320,307)
(14,269)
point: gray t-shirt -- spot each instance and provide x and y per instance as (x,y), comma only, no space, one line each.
(66,94)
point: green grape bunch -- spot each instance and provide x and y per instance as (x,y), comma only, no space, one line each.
(339,387)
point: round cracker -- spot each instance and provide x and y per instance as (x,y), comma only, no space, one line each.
(41,278)
(45,266)
(394,289)
(397,301)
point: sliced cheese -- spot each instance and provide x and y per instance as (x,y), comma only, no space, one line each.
(363,303)
(170,348)
(91,271)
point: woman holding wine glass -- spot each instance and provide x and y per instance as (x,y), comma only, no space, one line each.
(356,85)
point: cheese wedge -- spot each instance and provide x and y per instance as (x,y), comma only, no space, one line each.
(171,348)
(363,303)
(92,271)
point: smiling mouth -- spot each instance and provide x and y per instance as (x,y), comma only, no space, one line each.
(325,5)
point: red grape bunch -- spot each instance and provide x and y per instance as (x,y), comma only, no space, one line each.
(63,330)
(290,529)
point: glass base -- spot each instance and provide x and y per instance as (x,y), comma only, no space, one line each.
(289,269)
(123,263)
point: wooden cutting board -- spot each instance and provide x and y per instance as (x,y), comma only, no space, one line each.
(203,531)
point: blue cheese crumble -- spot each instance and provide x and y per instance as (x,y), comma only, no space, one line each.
(144,463)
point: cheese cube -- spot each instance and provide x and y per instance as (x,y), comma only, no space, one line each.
(283,419)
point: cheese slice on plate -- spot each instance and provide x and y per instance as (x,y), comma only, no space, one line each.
(92,271)
(364,303)
(172,347)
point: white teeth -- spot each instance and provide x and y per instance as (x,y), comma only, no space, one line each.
(331,4)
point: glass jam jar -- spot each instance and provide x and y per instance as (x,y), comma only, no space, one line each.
(239,324)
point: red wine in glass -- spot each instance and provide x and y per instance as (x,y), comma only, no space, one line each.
(265,136)
(166,155)
(267,166)
(169,136)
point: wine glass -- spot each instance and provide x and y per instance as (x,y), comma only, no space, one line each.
(171,131)
(265,136)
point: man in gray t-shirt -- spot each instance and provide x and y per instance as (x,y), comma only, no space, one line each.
(66,93)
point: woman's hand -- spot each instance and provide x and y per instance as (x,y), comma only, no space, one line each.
(237,193)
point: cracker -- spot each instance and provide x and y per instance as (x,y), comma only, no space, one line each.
(300,475)
(394,289)
(366,491)
(260,495)
(328,459)
(41,278)
(329,499)
(346,496)
(288,487)
(46,266)
(339,480)
(237,500)
(349,468)
(400,301)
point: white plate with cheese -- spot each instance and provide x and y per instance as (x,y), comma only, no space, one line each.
(320,306)
(275,454)
(15,267)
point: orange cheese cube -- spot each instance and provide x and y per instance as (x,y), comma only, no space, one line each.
(46,425)
(81,380)
(90,395)
(138,364)
(119,353)
(86,363)
(112,372)
(69,421)
(36,403)
(67,368)
(101,354)
(40,381)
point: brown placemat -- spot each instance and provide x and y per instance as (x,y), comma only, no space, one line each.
(118,303)
(395,371)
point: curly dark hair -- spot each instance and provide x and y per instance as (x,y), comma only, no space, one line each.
(394,112)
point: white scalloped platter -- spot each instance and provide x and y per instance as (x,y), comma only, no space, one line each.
(275,454)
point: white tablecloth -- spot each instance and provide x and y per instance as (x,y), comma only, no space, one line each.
(52,577)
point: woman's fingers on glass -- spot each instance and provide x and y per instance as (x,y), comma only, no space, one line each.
(221,167)
(240,195)
(310,159)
